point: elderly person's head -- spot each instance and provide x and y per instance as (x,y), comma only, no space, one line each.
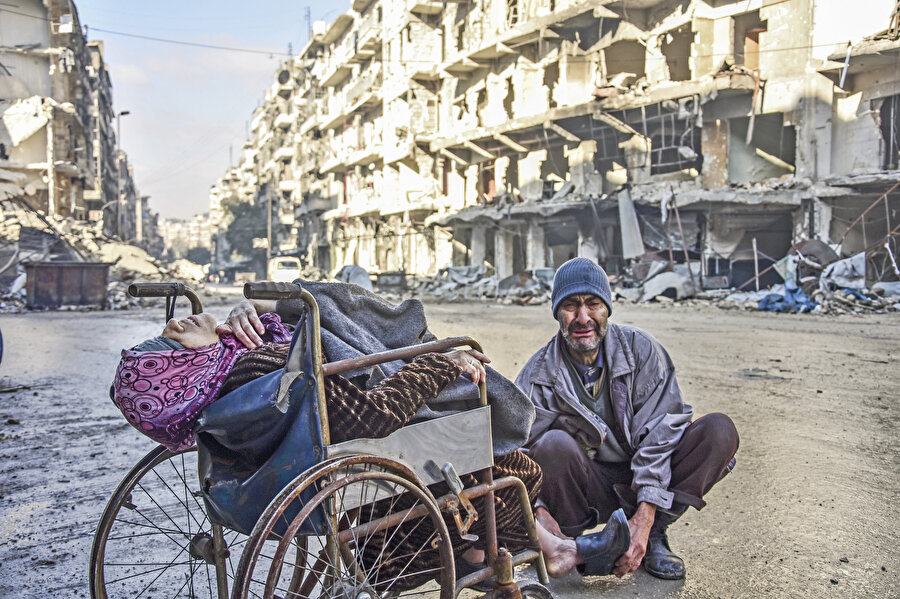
(581,302)
(162,384)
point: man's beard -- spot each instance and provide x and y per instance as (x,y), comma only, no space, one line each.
(583,346)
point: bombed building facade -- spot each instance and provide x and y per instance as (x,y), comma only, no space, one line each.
(412,135)
(58,140)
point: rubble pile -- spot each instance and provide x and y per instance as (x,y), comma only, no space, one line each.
(879,300)
(817,281)
(455,283)
(27,236)
(848,301)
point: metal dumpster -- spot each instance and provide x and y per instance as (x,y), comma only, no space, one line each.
(55,284)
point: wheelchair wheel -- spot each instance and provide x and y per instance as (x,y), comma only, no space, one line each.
(383,537)
(535,590)
(154,538)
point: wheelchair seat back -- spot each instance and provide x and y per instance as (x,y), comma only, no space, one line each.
(463,439)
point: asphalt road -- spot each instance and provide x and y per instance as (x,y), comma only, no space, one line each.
(810,510)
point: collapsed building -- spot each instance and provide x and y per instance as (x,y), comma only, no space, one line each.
(59,153)
(712,133)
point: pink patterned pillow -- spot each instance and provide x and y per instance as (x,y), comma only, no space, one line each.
(162,393)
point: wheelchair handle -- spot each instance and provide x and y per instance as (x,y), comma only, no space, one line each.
(167,290)
(269,290)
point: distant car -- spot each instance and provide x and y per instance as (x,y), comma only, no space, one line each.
(283,269)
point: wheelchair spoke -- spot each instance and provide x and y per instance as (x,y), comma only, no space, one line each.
(157,538)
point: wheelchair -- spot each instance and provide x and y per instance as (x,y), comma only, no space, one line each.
(360,522)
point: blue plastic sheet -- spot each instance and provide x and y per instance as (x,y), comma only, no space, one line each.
(793,300)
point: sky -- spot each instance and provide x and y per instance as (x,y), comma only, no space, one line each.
(188,105)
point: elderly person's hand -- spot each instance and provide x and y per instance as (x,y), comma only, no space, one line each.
(470,362)
(640,525)
(244,323)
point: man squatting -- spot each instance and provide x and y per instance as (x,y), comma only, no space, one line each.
(612,429)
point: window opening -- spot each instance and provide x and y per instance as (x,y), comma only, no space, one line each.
(512,12)
(551,78)
(747,28)
(890,131)
(625,57)
(487,184)
(676,48)
(510,97)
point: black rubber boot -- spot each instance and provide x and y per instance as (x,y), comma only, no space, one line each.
(600,550)
(659,559)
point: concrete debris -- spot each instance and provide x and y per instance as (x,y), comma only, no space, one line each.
(676,284)
(527,287)
(129,261)
(888,290)
(28,236)
(461,282)
(653,280)
(849,273)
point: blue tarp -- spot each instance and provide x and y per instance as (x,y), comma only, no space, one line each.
(793,300)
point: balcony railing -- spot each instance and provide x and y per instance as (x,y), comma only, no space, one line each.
(368,84)
(425,7)
(368,36)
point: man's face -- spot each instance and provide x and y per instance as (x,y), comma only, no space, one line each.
(583,321)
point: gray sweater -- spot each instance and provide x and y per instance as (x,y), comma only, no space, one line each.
(650,415)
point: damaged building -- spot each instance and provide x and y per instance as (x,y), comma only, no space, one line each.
(59,153)
(714,135)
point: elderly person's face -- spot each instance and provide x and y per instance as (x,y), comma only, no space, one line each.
(583,322)
(197,330)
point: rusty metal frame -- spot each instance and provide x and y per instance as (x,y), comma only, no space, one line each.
(487,485)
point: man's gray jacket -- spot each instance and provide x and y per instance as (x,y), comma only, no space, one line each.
(650,414)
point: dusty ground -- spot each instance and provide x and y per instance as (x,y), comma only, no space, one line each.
(810,510)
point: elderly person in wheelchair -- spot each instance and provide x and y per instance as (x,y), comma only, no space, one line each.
(194,362)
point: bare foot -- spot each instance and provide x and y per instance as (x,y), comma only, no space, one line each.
(543,517)
(560,554)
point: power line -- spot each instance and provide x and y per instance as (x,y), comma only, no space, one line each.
(192,44)
(160,39)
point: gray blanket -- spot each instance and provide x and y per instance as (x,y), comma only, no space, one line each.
(357,322)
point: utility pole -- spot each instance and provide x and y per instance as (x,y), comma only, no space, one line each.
(308,18)
(119,116)
(268,226)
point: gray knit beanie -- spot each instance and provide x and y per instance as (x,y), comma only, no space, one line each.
(580,275)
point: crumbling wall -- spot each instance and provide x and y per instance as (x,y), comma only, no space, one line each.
(767,151)
(497,88)
(714,174)
(531,186)
(575,79)
(786,23)
(857,143)
(531,95)
(581,169)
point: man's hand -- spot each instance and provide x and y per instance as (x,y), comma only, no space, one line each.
(244,323)
(639,524)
